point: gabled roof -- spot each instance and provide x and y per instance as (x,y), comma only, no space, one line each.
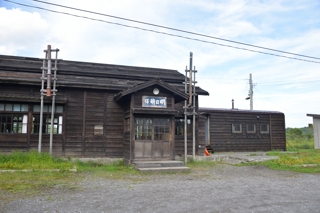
(179,96)
(314,115)
(27,71)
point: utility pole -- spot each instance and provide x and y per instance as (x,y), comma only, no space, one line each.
(250,94)
(46,76)
(191,82)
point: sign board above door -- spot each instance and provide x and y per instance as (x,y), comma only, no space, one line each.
(154,101)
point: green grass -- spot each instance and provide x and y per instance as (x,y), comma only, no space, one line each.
(38,181)
(18,160)
(305,143)
(299,160)
(115,170)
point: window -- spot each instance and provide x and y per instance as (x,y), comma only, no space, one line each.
(179,127)
(13,118)
(143,128)
(152,128)
(161,129)
(251,128)
(264,128)
(236,128)
(46,124)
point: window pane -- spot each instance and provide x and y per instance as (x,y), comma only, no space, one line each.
(36,108)
(45,108)
(236,128)
(1,107)
(3,128)
(179,126)
(24,107)
(60,125)
(264,128)
(8,107)
(55,129)
(16,107)
(251,128)
(24,123)
(59,109)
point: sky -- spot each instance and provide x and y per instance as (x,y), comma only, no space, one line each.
(280,84)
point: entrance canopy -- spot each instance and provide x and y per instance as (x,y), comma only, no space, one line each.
(178,95)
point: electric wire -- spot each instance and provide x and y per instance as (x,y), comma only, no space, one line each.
(170,28)
(169,34)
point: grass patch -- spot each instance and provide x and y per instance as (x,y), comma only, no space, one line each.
(18,160)
(300,160)
(37,182)
(296,144)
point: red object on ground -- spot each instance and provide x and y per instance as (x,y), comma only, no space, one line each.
(206,152)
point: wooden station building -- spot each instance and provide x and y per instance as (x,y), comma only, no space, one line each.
(102,110)
(135,113)
(242,130)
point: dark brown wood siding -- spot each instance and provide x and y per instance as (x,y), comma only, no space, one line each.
(10,142)
(94,144)
(74,123)
(57,142)
(278,132)
(114,127)
(222,138)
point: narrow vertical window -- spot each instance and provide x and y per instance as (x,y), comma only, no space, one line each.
(60,125)
(24,123)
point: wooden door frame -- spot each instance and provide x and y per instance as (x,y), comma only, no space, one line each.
(152,140)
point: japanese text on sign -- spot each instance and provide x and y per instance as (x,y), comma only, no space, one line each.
(151,101)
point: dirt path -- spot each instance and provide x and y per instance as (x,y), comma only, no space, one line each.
(223,188)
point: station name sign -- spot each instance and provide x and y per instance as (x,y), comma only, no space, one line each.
(154,101)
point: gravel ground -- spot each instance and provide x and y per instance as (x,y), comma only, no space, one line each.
(223,188)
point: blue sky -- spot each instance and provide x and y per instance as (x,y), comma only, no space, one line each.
(281,84)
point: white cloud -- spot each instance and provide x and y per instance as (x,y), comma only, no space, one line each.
(21,30)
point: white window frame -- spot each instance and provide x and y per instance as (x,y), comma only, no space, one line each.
(265,132)
(234,128)
(254,128)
